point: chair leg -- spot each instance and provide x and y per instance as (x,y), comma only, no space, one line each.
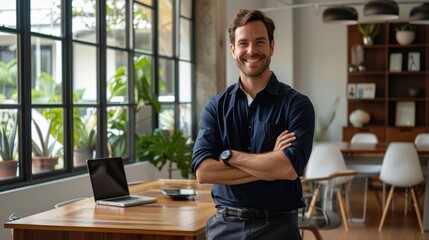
(417,209)
(312,207)
(343,211)
(386,208)
(314,230)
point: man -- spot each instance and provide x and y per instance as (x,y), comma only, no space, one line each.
(254,141)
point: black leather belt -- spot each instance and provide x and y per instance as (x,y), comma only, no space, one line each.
(251,213)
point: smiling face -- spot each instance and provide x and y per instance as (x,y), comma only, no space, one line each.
(252,50)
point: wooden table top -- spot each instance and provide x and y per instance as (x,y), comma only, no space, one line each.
(373,150)
(166,216)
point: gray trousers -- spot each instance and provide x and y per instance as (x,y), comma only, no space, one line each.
(284,227)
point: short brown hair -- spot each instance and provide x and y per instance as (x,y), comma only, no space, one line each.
(243,16)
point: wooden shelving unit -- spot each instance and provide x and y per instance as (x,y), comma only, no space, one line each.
(391,87)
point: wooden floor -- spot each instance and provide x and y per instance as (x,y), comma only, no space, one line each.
(396,226)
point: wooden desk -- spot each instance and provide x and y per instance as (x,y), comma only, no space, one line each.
(163,220)
(373,153)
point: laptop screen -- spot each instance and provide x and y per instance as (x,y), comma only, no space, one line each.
(108,178)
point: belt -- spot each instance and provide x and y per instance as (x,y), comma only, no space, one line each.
(251,213)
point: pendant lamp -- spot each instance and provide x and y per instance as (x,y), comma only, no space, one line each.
(341,15)
(420,14)
(381,10)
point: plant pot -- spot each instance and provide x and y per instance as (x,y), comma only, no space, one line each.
(81,155)
(44,164)
(8,169)
(405,37)
(368,41)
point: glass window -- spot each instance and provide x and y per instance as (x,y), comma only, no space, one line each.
(46,70)
(166,117)
(84,135)
(46,17)
(147,2)
(8,68)
(115,23)
(9,154)
(8,13)
(165,27)
(185,122)
(47,139)
(166,80)
(117,131)
(185,77)
(84,73)
(117,75)
(186,8)
(84,22)
(143,30)
(185,39)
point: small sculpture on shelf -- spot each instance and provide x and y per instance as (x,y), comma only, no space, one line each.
(359,117)
(405,34)
(368,31)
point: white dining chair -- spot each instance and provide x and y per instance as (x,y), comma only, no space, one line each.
(401,168)
(325,160)
(367,171)
(422,139)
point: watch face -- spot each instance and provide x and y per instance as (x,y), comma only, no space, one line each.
(225,154)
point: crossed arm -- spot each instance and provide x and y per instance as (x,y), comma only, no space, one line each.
(249,167)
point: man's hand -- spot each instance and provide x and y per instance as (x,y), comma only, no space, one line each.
(284,140)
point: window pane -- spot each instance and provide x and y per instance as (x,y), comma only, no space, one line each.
(185,39)
(143,28)
(46,70)
(117,75)
(186,8)
(8,13)
(115,23)
(117,131)
(186,119)
(84,20)
(9,149)
(84,73)
(142,79)
(166,80)
(8,68)
(185,93)
(47,136)
(166,117)
(46,17)
(166,27)
(147,2)
(84,135)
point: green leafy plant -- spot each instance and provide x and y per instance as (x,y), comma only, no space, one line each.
(163,147)
(85,133)
(405,27)
(368,30)
(8,139)
(322,124)
(43,149)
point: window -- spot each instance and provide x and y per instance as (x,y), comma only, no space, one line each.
(71,90)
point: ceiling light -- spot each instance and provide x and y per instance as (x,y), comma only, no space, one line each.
(420,14)
(342,15)
(381,10)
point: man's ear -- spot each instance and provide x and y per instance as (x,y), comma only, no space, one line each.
(232,48)
(272,47)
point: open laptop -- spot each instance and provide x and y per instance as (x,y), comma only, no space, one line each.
(109,183)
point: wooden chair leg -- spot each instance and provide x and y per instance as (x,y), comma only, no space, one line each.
(386,208)
(343,211)
(314,230)
(417,209)
(312,207)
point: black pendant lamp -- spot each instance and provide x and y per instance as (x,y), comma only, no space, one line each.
(341,15)
(420,14)
(381,10)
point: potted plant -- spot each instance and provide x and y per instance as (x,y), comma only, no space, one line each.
(8,164)
(162,147)
(368,31)
(85,136)
(405,34)
(44,158)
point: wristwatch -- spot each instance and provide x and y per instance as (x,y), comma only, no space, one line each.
(225,156)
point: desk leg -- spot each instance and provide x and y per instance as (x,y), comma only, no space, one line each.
(426,207)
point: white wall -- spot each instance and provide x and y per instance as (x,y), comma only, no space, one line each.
(37,198)
(310,56)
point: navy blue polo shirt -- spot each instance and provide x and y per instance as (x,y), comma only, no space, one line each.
(227,122)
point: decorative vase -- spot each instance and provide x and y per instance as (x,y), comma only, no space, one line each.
(359,117)
(368,41)
(405,37)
